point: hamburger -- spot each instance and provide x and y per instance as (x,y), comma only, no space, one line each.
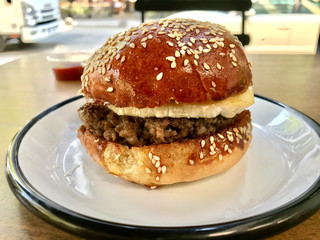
(166,102)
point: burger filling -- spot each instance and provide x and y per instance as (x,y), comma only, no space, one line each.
(101,121)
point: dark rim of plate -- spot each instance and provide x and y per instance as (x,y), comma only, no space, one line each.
(258,226)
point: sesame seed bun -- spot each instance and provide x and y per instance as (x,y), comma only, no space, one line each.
(168,63)
(179,60)
(162,164)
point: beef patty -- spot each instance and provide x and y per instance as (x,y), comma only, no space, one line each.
(137,131)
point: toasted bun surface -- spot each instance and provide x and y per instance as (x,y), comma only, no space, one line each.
(161,164)
(179,60)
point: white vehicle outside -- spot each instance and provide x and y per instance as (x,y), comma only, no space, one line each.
(28,20)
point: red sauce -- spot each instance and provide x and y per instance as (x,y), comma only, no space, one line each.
(68,74)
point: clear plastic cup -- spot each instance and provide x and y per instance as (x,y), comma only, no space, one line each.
(68,66)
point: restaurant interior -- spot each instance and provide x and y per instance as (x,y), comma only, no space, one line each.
(276,187)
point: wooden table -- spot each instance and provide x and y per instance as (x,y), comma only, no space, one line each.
(27,87)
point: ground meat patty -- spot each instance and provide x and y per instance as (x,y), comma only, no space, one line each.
(137,131)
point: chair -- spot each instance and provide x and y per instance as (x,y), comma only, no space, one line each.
(185,5)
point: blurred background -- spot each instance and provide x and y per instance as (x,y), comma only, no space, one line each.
(28,26)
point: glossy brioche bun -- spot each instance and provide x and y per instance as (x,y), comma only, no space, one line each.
(162,164)
(179,60)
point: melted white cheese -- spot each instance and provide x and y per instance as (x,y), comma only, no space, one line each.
(227,108)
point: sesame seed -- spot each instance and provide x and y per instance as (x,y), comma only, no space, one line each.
(122,46)
(159,76)
(201,155)
(211,139)
(184,48)
(195,62)
(189,52)
(196,56)
(234,64)
(171,35)
(163,169)
(183,52)
(118,56)
(215,45)
(159,169)
(212,153)
(192,39)
(157,164)
(220,136)
(225,147)
(222,54)
(191,162)
(157,178)
(211,148)
(206,66)
(232,45)
(197,31)
(103,70)
(153,187)
(110,89)
(173,64)
(144,44)
(212,40)
(123,59)
(153,161)
(221,44)
(170,43)
(144,39)
(80,91)
(220,157)
(171,59)
(150,36)
(203,143)
(235,130)
(177,54)
(206,50)
(185,62)
(150,155)
(213,145)
(108,67)
(218,66)
(229,150)
(161,33)
(213,84)
(157,158)
(132,45)
(148,170)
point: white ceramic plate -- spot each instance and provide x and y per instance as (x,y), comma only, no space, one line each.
(275,186)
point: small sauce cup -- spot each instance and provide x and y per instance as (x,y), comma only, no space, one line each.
(68,66)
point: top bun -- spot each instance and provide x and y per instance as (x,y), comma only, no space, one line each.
(179,60)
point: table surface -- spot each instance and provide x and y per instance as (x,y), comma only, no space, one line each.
(27,87)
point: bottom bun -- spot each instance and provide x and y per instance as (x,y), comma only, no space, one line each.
(162,164)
